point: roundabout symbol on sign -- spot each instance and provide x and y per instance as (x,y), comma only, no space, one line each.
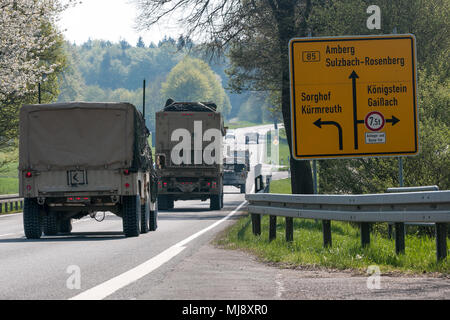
(374,121)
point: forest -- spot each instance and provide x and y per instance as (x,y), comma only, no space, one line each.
(100,70)
(241,63)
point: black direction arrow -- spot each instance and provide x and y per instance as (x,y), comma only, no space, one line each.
(393,120)
(354,76)
(74,177)
(319,124)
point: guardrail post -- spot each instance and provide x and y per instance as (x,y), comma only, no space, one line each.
(21,204)
(289,229)
(326,229)
(256,224)
(16,205)
(399,237)
(365,234)
(272,227)
(441,241)
(10,206)
(390,230)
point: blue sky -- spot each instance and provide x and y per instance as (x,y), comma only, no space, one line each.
(109,20)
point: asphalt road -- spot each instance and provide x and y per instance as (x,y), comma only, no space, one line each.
(175,262)
(96,261)
(98,252)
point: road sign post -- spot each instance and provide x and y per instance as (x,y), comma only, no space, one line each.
(353,96)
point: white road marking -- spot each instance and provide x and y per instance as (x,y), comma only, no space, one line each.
(280,287)
(7,234)
(9,214)
(107,288)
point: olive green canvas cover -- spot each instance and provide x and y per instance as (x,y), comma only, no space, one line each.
(83,135)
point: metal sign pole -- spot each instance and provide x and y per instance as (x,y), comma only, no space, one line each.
(315,175)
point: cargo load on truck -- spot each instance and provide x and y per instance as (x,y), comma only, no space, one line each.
(79,158)
(189,153)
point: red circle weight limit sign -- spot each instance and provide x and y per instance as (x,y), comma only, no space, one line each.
(374,121)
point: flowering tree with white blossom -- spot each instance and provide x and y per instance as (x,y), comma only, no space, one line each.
(30,53)
(23,43)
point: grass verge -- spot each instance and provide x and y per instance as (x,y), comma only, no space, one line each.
(9,181)
(9,185)
(241,124)
(346,251)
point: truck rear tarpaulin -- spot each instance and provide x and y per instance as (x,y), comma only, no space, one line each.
(88,135)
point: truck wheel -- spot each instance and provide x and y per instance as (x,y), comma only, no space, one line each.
(242,188)
(131,216)
(145,216)
(50,224)
(170,203)
(221,201)
(154,219)
(162,202)
(214,203)
(65,226)
(31,219)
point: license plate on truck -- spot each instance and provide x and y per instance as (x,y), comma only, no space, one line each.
(76,177)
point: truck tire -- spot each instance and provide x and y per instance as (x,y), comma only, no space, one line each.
(131,216)
(242,188)
(31,219)
(145,217)
(170,202)
(65,226)
(154,219)
(162,202)
(221,201)
(214,203)
(50,224)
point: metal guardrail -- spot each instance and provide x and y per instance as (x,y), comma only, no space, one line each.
(425,206)
(400,229)
(10,202)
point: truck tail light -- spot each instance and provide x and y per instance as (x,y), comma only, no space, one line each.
(28,174)
(126,172)
(77,199)
(127,185)
(214,184)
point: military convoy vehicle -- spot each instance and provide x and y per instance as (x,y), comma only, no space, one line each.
(252,138)
(236,168)
(79,158)
(188,151)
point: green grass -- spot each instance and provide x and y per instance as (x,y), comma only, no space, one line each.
(9,181)
(281,186)
(9,185)
(241,124)
(346,251)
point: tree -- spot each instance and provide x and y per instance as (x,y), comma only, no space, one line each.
(22,45)
(193,80)
(233,22)
(30,53)
(140,43)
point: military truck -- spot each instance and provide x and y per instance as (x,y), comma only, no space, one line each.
(236,168)
(76,159)
(189,142)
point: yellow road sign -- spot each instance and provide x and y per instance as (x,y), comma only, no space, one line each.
(353,96)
